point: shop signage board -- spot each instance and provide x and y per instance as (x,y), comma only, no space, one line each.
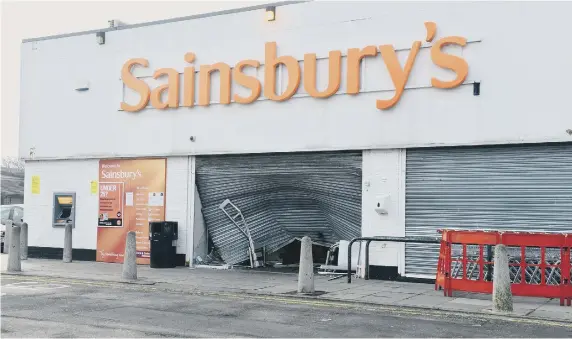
(267,87)
(131,194)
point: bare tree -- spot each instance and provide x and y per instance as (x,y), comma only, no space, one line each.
(12,163)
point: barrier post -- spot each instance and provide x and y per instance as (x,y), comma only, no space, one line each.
(14,264)
(24,241)
(67,257)
(502,294)
(130,257)
(7,237)
(366,275)
(306,272)
(350,260)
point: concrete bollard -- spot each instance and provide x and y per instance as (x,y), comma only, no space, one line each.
(14,264)
(67,257)
(24,241)
(130,257)
(306,273)
(502,294)
(7,237)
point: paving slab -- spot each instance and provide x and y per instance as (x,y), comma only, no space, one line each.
(551,314)
(423,300)
(279,289)
(346,296)
(383,300)
(472,302)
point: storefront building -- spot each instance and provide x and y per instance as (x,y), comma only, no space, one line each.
(332,120)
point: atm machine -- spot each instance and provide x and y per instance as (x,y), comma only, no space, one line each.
(64,209)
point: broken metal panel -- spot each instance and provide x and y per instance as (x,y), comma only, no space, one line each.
(301,215)
(237,218)
(282,196)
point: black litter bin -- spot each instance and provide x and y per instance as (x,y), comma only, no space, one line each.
(163,237)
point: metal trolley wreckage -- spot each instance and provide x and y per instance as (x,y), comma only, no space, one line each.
(335,255)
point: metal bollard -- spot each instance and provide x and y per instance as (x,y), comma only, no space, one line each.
(130,257)
(24,241)
(14,264)
(7,237)
(502,294)
(67,257)
(306,272)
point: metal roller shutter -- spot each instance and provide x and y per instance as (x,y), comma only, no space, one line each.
(520,187)
(282,196)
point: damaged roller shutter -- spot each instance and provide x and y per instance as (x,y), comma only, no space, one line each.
(282,197)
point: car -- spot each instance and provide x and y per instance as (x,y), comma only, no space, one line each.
(11,212)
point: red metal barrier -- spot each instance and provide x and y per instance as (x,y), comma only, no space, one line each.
(540,263)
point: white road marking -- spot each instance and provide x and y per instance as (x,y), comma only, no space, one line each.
(31,286)
(35,285)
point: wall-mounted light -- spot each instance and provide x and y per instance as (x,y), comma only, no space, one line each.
(270,13)
(100,36)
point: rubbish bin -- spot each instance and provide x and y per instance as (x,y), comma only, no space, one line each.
(163,238)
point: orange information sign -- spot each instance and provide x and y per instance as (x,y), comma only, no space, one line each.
(111,204)
(131,194)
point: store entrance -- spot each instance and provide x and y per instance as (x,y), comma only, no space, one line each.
(265,203)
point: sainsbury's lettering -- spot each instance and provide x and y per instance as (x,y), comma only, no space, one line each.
(120,174)
(399,75)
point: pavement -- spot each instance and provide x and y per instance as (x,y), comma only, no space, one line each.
(284,285)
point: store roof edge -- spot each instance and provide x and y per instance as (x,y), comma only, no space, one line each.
(166,21)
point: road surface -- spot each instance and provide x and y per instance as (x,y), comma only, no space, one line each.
(49,307)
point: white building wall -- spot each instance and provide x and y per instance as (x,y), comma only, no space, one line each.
(61,176)
(76,176)
(383,176)
(176,197)
(524,91)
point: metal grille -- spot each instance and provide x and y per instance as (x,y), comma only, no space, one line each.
(282,196)
(532,258)
(520,187)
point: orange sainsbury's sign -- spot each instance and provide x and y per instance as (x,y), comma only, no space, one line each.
(399,75)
